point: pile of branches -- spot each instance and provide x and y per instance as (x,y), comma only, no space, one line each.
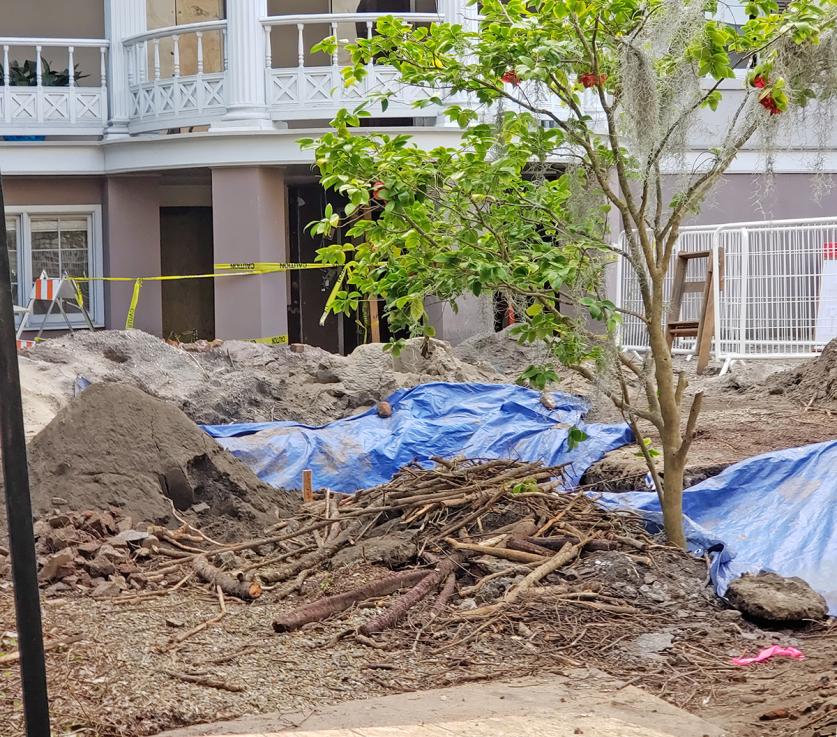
(465,540)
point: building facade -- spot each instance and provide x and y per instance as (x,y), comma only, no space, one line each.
(171,144)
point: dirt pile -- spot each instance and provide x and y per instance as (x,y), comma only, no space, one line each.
(812,383)
(115,446)
(236,381)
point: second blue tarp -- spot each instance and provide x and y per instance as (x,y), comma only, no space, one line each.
(775,512)
(432,420)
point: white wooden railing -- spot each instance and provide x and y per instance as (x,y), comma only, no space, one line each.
(171,81)
(43,109)
(313,86)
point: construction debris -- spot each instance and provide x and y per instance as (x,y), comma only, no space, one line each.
(774,598)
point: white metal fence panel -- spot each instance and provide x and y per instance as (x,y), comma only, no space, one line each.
(633,333)
(775,290)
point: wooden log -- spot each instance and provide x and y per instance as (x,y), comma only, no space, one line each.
(230,585)
(404,603)
(444,596)
(325,608)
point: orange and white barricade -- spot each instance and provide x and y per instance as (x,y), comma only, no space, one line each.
(56,292)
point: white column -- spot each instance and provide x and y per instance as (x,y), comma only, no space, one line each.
(458,11)
(123,18)
(244,83)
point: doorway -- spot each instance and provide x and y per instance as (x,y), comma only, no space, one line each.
(186,248)
(310,289)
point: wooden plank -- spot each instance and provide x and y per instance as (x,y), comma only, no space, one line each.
(676,295)
(374,320)
(706,328)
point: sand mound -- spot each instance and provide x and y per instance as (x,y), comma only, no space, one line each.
(237,381)
(812,383)
(115,446)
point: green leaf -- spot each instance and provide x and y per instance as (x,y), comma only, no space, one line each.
(575,436)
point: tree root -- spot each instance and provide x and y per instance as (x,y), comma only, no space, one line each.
(403,604)
(325,608)
(247,590)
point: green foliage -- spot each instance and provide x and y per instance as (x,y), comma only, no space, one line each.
(26,74)
(538,376)
(490,214)
(575,436)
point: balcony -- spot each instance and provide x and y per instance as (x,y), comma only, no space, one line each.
(38,99)
(174,83)
(312,86)
(250,71)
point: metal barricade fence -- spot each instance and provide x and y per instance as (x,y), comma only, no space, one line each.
(776,293)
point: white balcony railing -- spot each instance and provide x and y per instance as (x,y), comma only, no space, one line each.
(310,86)
(176,76)
(40,107)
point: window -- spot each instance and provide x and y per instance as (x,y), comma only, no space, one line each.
(58,241)
(11,244)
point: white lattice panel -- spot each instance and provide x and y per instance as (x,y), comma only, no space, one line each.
(177,102)
(41,111)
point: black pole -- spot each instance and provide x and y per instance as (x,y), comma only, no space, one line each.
(19,510)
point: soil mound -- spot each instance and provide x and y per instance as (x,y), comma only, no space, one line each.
(236,381)
(116,446)
(812,383)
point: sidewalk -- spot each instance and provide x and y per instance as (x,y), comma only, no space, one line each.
(590,705)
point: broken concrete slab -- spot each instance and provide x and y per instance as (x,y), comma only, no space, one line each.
(589,703)
(775,598)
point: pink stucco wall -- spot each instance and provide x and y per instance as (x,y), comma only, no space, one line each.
(250,224)
(132,248)
(22,191)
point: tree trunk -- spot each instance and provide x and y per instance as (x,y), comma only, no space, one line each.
(670,432)
(673,471)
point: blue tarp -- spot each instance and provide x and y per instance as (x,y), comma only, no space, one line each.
(438,419)
(775,512)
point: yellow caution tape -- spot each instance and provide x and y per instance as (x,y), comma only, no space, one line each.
(129,320)
(267,267)
(272,340)
(231,269)
(79,295)
(333,295)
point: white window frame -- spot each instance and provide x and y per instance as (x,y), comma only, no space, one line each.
(23,214)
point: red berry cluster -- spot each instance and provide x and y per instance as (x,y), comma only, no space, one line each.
(767,102)
(589,79)
(377,187)
(510,77)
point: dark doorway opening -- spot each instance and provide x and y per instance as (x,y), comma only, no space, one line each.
(186,248)
(310,289)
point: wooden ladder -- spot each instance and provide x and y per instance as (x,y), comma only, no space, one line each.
(702,329)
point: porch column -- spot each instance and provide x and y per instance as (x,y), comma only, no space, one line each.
(132,248)
(458,11)
(250,223)
(245,78)
(123,18)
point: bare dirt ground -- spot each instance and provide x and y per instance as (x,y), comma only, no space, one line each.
(161,659)
(119,676)
(739,419)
